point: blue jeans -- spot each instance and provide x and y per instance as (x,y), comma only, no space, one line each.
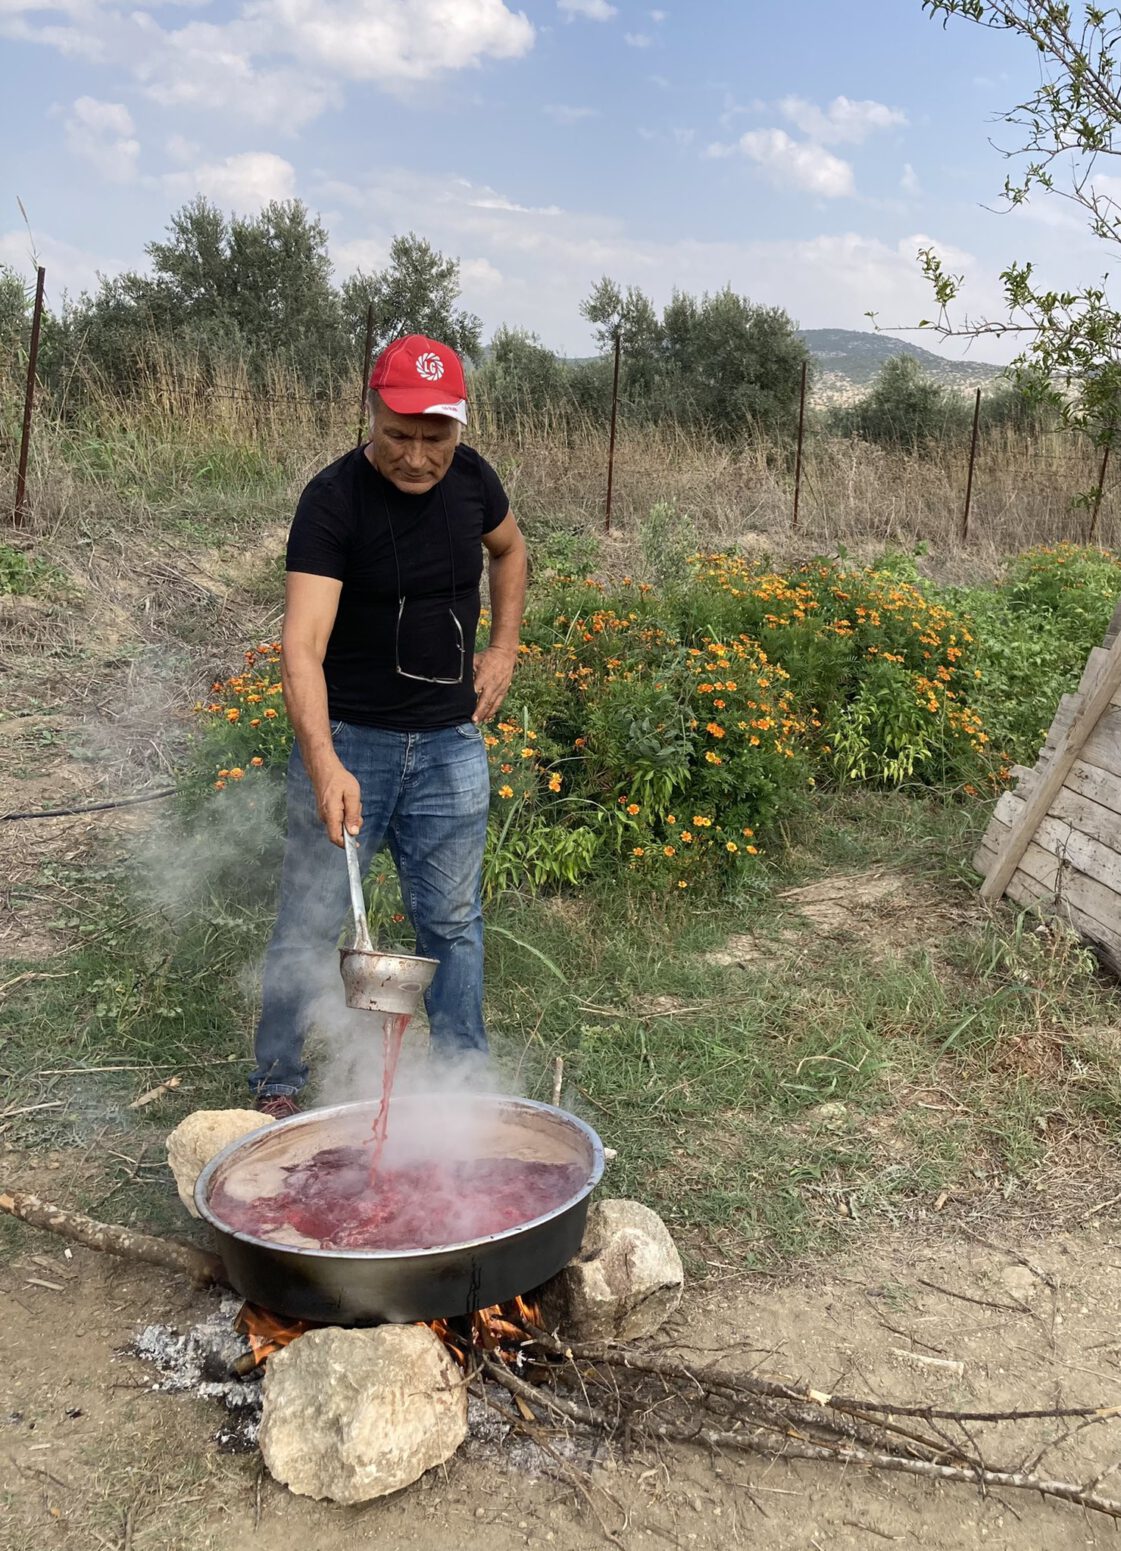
(426,795)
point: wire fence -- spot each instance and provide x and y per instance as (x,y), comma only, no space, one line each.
(975,480)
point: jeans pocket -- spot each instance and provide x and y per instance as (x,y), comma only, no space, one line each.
(469,730)
(336,728)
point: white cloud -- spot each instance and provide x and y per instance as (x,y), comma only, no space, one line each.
(180,149)
(392,41)
(243,182)
(658,17)
(278,61)
(594,10)
(793,163)
(843,121)
(638,39)
(563,113)
(909,180)
(102,133)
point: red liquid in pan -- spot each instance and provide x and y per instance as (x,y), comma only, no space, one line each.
(330,1198)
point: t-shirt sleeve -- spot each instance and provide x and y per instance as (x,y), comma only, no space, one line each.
(496,503)
(318,541)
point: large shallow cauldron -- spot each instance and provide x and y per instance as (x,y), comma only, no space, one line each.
(350,1286)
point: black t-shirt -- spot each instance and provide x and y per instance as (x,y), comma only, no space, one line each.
(410,567)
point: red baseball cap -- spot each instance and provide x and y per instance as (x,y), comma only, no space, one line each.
(420,376)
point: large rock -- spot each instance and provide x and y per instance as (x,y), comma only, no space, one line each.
(354,1414)
(625,1282)
(200,1137)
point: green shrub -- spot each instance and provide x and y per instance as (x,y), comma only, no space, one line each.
(671,732)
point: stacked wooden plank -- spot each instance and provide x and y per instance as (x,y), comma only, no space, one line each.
(1055,841)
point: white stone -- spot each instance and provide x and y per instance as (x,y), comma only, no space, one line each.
(201,1137)
(625,1282)
(355,1414)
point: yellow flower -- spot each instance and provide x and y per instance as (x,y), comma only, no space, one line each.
(750,833)
(669,850)
(682,884)
(505,791)
(687,836)
(713,759)
(731,846)
(670,819)
(554,782)
(752,850)
(632,807)
(639,851)
(236,773)
(232,714)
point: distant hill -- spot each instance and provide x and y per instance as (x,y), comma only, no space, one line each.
(857,355)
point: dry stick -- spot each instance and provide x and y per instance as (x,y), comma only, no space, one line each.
(983,1303)
(199,1265)
(558,1080)
(974,1475)
(645,1362)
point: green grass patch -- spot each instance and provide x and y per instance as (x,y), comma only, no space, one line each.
(751,1106)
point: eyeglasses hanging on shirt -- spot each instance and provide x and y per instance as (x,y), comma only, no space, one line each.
(456,634)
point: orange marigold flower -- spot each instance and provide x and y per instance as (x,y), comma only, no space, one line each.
(750,833)
(554,782)
(506,769)
(669,850)
(731,846)
(752,850)
(256,722)
(236,773)
(270,713)
(687,836)
(232,714)
(580,743)
(633,807)
(398,917)
(505,791)
(713,759)
(219,786)
(639,851)
(670,819)
(715,729)
(256,760)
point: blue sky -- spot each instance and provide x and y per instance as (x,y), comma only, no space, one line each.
(800,150)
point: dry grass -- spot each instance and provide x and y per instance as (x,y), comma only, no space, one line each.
(223,457)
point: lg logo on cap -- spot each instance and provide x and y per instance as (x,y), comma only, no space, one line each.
(429,366)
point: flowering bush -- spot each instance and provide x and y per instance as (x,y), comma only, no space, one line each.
(668,733)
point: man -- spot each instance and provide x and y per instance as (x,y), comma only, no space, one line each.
(386,696)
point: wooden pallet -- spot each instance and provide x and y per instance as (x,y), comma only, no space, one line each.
(1055,841)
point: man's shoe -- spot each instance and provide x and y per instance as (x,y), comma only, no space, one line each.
(278,1106)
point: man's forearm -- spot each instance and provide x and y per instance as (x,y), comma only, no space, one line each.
(305,695)
(507,598)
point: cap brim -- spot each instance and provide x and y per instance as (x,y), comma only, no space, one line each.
(422,401)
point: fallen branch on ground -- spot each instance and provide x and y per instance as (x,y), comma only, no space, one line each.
(199,1265)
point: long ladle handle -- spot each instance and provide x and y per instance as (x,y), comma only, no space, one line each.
(357,903)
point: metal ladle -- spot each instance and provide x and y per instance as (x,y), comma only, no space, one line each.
(374,981)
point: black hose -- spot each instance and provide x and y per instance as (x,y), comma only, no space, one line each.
(91,807)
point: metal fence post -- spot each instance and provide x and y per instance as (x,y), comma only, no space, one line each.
(798,458)
(611,441)
(972,460)
(19,511)
(367,352)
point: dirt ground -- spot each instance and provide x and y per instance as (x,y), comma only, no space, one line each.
(93,1456)
(97,1458)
